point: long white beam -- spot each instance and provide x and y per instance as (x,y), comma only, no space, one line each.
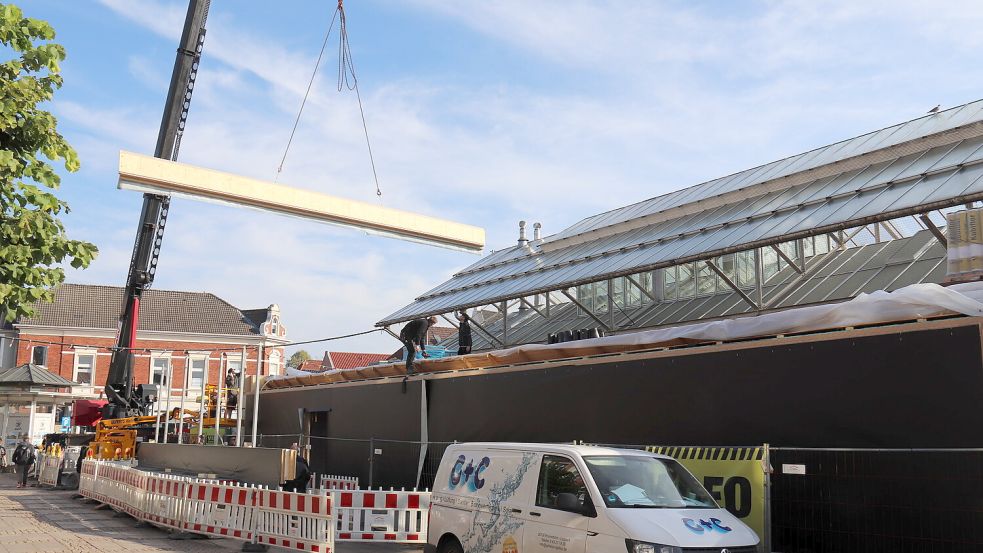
(158,176)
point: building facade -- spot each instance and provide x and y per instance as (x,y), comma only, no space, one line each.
(185,339)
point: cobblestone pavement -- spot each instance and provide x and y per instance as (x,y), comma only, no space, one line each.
(35,520)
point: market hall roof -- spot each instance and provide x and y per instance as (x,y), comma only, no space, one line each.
(29,374)
(928,163)
(91,306)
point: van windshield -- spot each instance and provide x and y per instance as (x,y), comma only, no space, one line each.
(638,481)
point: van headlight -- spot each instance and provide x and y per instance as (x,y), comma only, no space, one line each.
(635,546)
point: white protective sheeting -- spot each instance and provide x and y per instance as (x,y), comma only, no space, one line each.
(917,301)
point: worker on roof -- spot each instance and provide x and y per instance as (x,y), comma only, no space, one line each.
(414,339)
(463,334)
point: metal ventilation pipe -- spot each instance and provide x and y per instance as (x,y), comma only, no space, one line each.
(537,231)
(522,233)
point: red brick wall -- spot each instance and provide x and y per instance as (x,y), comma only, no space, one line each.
(61,356)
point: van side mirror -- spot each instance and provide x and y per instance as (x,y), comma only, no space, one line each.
(569,502)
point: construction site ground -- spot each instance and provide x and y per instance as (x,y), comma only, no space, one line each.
(42,520)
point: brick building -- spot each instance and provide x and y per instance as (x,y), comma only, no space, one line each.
(185,334)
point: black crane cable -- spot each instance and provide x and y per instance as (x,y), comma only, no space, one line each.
(346,67)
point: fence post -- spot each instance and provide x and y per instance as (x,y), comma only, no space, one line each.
(766,539)
(371,460)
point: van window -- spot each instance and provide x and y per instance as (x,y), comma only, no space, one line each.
(638,481)
(559,475)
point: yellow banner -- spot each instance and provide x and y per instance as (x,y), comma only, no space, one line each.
(734,476)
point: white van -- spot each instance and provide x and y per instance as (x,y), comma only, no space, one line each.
(548,498)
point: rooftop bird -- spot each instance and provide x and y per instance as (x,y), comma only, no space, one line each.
(935,109)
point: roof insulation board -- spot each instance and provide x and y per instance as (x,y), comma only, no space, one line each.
(158,176)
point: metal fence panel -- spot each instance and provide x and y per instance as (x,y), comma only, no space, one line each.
(840,501)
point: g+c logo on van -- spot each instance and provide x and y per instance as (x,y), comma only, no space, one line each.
(469,475)
(701,526)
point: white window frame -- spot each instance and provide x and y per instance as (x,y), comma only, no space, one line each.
(92,369)
(188,370)
(275,363)
(46,353)
(163,377)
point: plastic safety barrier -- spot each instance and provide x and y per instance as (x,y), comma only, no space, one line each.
(49,467)
(395,516)
(333,482)
(253,513)
(219,509)
(166,499)
(294,520)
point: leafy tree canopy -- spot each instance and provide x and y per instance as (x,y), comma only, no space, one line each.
(33,241)
(297,358)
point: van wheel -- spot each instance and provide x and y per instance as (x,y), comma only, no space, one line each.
(450,545)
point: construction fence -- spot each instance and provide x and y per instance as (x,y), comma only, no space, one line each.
(798,500)
(257,514)
(376,462)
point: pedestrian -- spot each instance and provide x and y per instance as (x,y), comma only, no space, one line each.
(414,338)
(302,474)
(24,457)
(463,334)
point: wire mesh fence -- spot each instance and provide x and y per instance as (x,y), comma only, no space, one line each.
(876,500)
(376,462)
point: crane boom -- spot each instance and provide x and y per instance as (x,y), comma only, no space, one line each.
(125,400)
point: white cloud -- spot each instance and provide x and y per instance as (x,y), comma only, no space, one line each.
(650,97)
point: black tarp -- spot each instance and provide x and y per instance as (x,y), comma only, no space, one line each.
(903,389)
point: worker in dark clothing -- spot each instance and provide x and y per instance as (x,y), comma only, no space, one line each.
(301,476)
(414,338)
(24,457)
(463,334)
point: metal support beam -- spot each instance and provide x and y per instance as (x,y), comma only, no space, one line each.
(391,333)
(781,294)
(759,276)
(450,322)
(786,258)
(936,231)
(505,323)
(842,240)
(611,303)
(533,307)
(486,332)
(640,287)
(584,309)
(892,230)
(730,283)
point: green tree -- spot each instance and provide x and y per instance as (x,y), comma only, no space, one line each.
(33,241)
(297,358)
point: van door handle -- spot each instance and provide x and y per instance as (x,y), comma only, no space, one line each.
(535,514)
(516,510)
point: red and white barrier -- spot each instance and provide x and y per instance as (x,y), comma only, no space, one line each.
(48,468)
(295,520)
(396,516)
(220,509)
(298,521)
(332,482)
(305,522)
(166,501)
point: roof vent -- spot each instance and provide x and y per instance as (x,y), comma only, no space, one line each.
(522,234)
(537,231)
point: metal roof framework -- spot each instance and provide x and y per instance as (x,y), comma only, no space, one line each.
(861,268)
(869,180)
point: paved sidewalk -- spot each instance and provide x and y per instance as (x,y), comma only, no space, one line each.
(35,520)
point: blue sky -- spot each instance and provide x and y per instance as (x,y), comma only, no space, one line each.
(485,112)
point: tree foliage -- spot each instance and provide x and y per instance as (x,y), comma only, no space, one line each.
(297,358)
(33,241)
